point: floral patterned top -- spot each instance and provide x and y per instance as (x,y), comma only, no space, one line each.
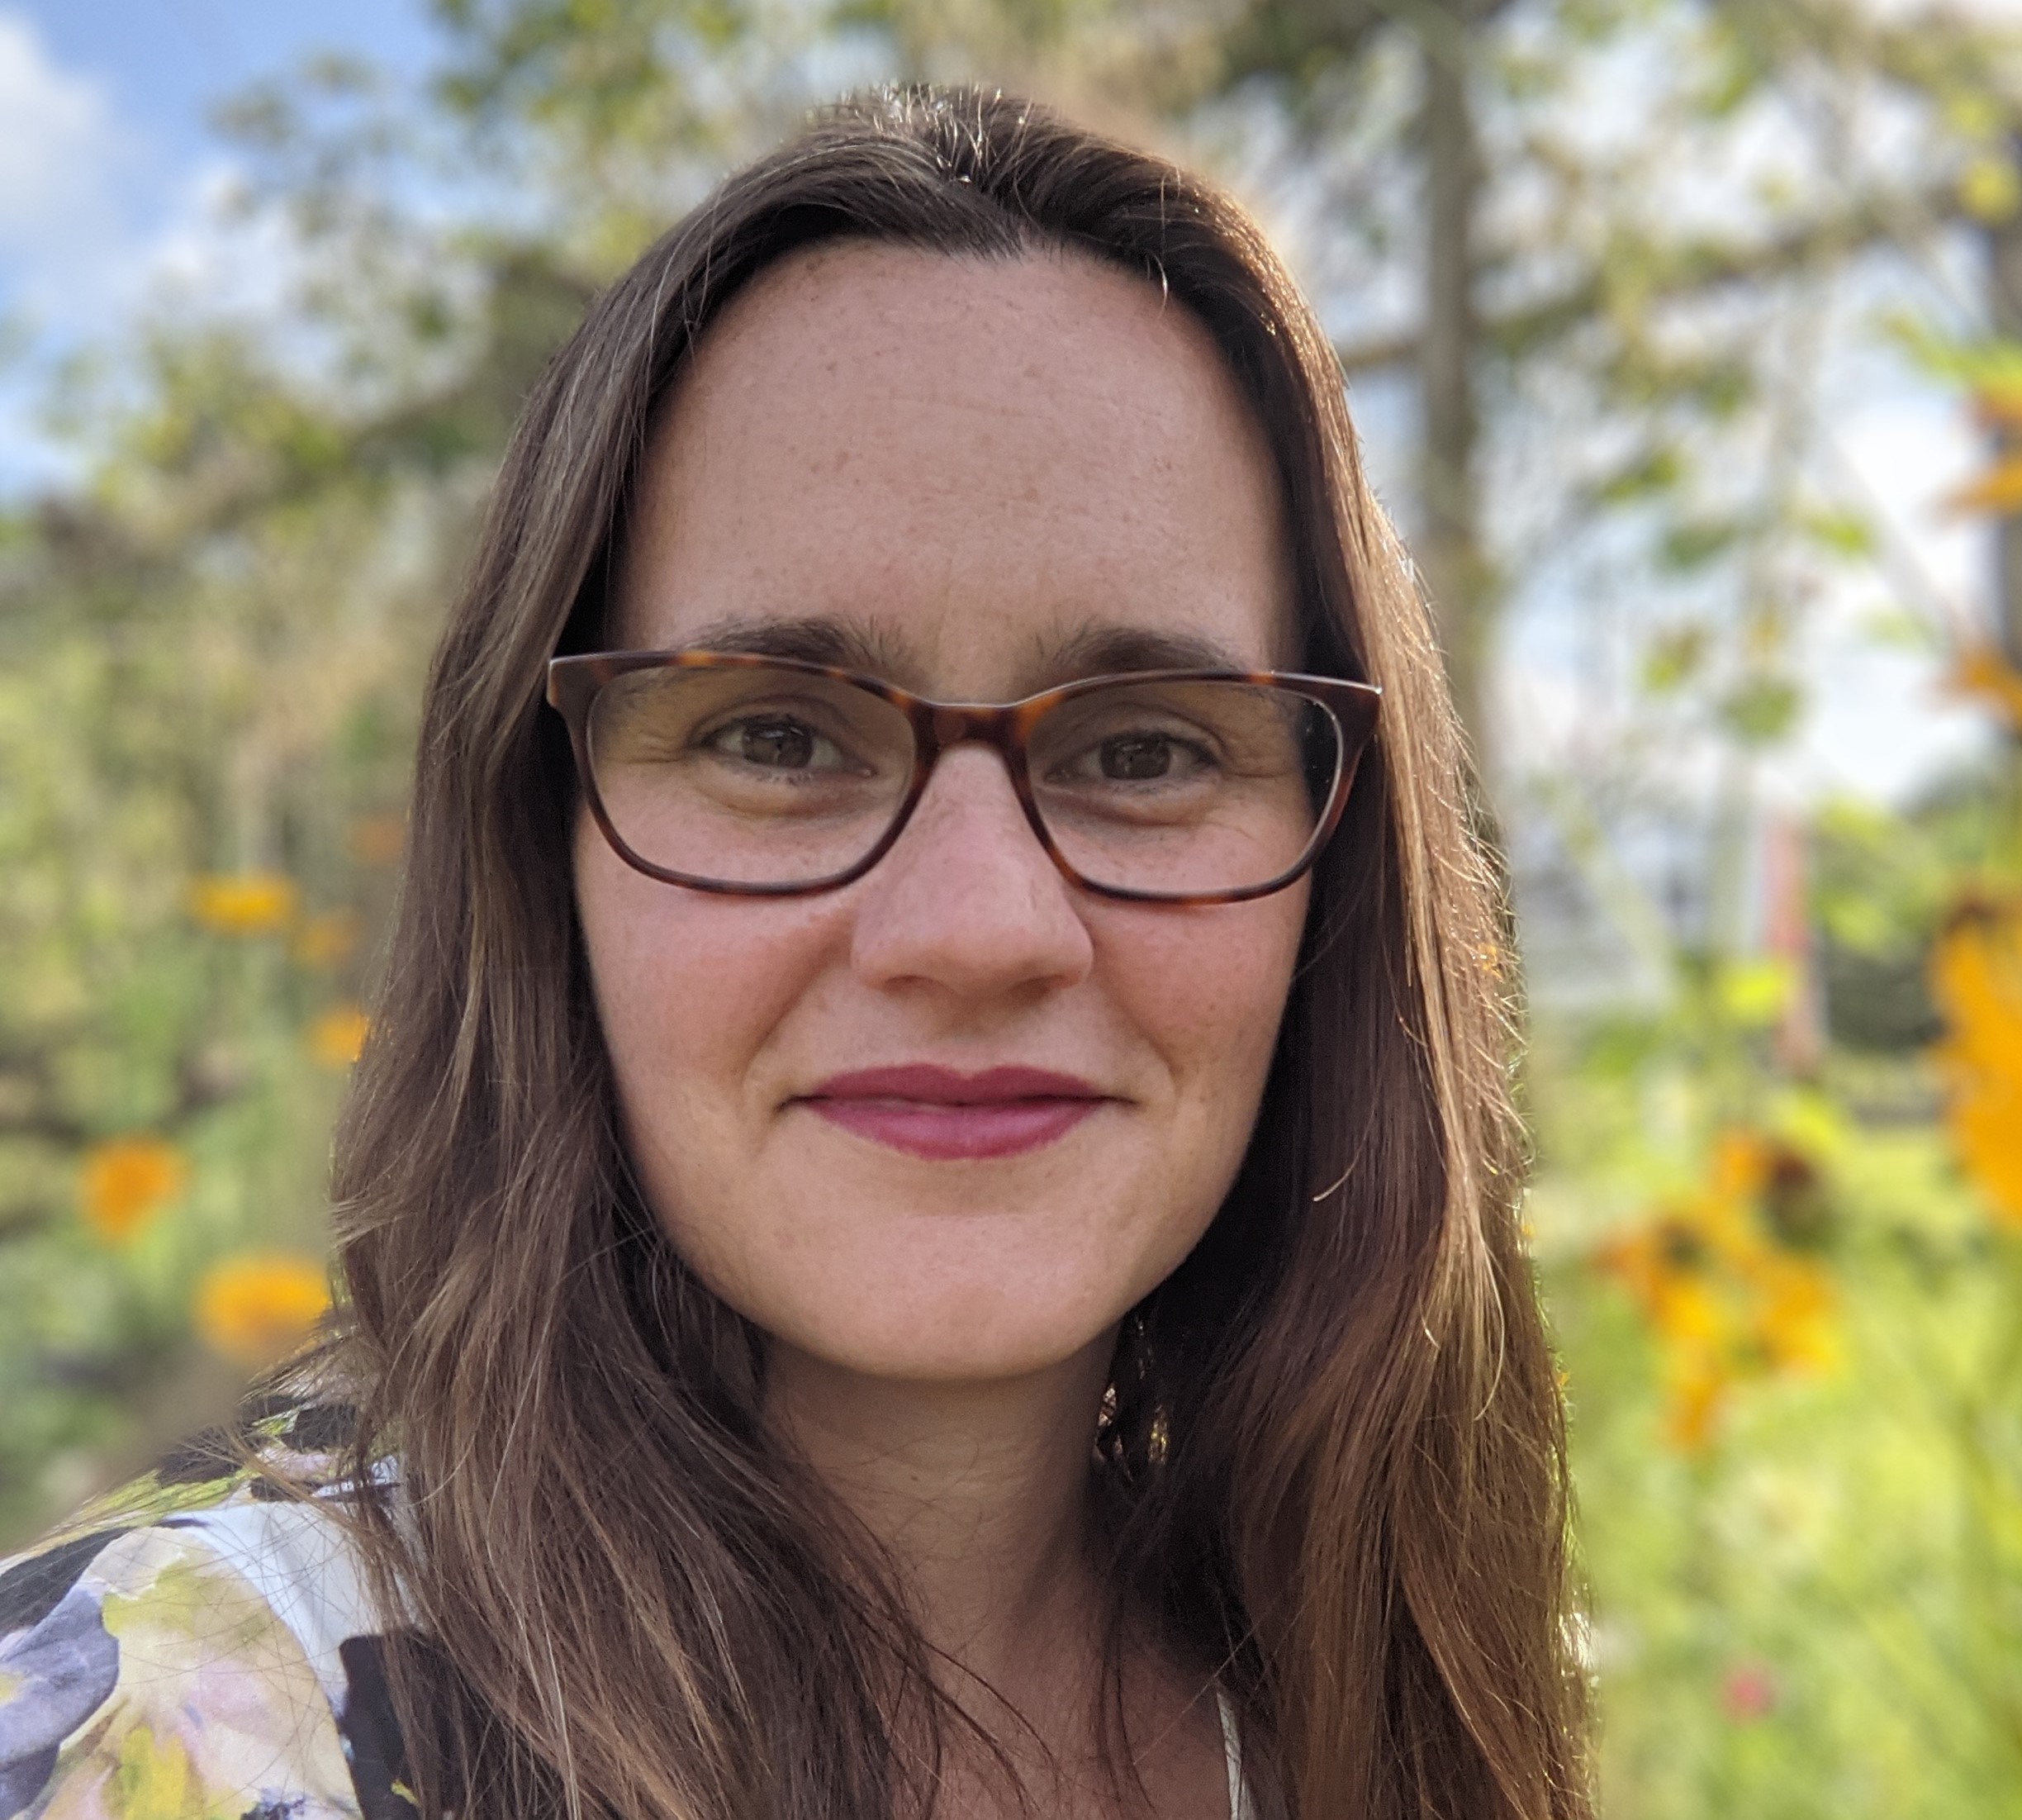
(199,1647)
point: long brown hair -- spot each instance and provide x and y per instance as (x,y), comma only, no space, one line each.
(1331,1467)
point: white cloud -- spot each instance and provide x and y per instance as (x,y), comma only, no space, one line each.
(96,230)
(210,256)
(65,243)
(60,153)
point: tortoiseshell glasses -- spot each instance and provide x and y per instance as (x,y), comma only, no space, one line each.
(724,772)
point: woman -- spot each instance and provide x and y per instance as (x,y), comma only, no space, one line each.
(902,1258)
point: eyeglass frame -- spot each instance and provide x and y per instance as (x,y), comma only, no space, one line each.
(574,683)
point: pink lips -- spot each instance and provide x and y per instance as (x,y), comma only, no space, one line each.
(940,1114)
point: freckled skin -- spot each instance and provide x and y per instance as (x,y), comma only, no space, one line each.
(972,460)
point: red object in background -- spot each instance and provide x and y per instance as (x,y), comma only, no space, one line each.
(1786,935)
(1748,1692)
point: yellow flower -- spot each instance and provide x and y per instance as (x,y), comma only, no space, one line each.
(245,903)
(127,1181)
(1697,1397)
(1794,1315)
(256,1307)
(1691,1312)
(1726,1278)
(1984,1126)
(336,1038)
(1977,979)
(323,940)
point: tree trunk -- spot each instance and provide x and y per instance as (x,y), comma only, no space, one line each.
(1449,550)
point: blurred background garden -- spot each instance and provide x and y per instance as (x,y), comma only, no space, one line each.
(1685,338)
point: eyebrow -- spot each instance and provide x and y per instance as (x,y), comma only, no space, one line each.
(840,641)
(844,643)
(1101,648)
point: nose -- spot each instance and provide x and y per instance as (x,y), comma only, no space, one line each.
(967,900)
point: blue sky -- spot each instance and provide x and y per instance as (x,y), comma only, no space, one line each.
(160,63)
(109,170)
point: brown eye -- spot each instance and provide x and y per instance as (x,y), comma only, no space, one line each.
(781,744)
(777,743)
(1136,759)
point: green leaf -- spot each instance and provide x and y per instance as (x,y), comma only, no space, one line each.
(1694,542)
(1654,471)
(1753,993)
(1674,658)
(1763,710)
(1844,534)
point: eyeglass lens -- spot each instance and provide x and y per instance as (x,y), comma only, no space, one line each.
(759,777)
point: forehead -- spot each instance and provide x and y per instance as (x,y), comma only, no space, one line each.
(972,468)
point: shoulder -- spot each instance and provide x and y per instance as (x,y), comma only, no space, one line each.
(197,1645)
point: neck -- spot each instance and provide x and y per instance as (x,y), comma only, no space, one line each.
(976,1490)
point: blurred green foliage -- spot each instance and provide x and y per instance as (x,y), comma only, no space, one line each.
(1779,1244)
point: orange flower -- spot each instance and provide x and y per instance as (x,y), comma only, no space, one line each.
(256,1307)
(245,903)
(1977,979)
(336,1038)
(126,1182)
(1998,490)
(1997,401)
(1983,671)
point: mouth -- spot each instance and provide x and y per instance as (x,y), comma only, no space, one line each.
(945,1116)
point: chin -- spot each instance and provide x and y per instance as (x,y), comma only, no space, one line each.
(976,1336)
(887,1267)
(954,1365)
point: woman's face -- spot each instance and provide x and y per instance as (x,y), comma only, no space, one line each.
(977,479)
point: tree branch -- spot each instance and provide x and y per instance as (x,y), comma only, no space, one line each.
(1685,273)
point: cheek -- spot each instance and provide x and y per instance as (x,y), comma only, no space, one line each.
(689,990)
(1207,988)
(1206,991)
